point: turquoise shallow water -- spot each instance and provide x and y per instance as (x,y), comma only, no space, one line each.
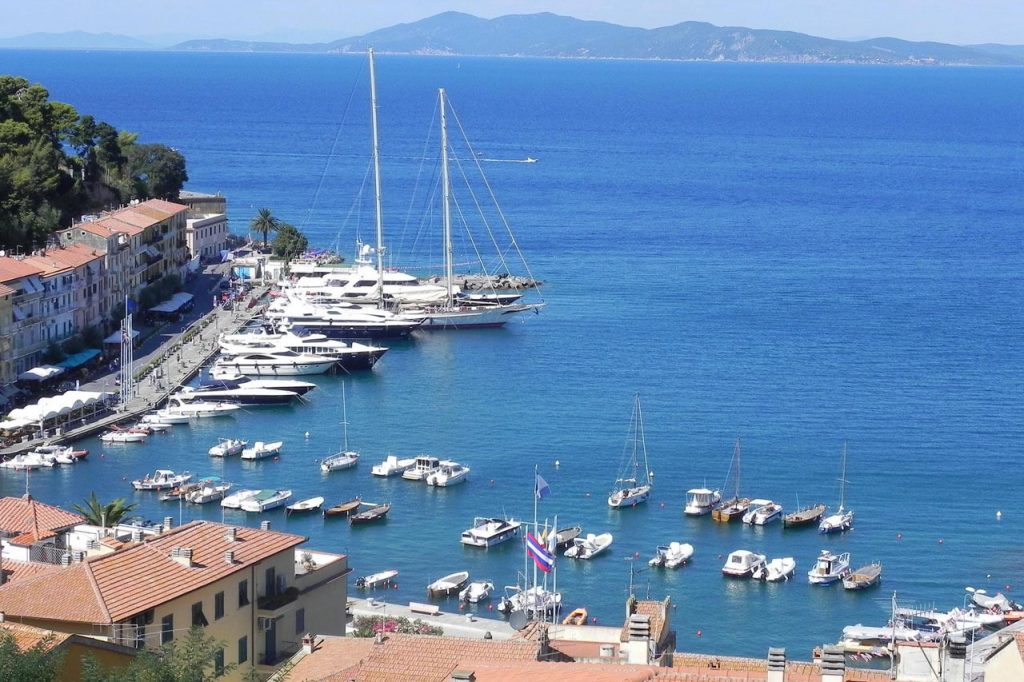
(798,256)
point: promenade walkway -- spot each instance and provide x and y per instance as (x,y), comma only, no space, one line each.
(453,624)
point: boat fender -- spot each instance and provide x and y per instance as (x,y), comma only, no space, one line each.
(587,495)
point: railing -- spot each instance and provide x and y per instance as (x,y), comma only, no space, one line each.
(272,602)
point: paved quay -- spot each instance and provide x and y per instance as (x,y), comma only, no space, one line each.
(163,362)
(453,624)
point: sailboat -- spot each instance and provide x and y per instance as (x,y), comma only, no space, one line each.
(346,459)
(737,506)
(842,520)
(632,490)
(462,312)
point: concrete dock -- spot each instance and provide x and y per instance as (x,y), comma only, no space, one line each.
(453,624)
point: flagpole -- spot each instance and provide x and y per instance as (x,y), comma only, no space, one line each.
(536,495)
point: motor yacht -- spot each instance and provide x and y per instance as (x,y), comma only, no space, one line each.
(487,532)
(349,355)
(198,409)
(343,320)
(261,450)
(241,395)
(162,479)
(276,363)
(210,489)
(701,501)
(477,591)
(265,500)
(742,563)
(224,375)
(448,473)
(424,466)
(829,568)
(392,466)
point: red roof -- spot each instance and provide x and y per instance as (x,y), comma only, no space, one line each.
(25,515)
(12,269)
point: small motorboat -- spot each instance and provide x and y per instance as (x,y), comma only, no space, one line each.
(164,417)
(28,461)
(565,536)
(303,506)
(261,450)
(423,467)
(162,479)
(742,563)
(235,500)
(265,500)
(210,489)
(672,555)
(864,577)
(449,473)
(197,409)
(998,602)
(343,508)
(116,435)
(228,447)
(776,570)
(487,532)
(477,591)
(590,546)
(807,516)
(375,580)
(61,454)
(152,427)
(341,460)
(829,568)
(376,512)
(392,466)
(576,617)
(448,585)
(762,512)
(701,501)
(179,492)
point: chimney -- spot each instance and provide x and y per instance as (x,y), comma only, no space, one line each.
(2,616)
(168,523)
(638,648)
(232,534)
(182,555)
(955,659)
(264,525)
(776,665)
(833,664)
(607,650)
(78,556)
(65,559)
(308,643)
(137,535)
(463,676)
(229,557)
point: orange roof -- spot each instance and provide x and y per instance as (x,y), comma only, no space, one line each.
(330,656)
(14,268)
(25,515)
(22,570)
(134,219)
(109,588)
(27,636)
(6,290)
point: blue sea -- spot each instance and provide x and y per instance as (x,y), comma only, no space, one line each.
(796,256)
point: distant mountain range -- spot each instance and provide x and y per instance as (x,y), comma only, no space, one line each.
(75,40)
(551,35)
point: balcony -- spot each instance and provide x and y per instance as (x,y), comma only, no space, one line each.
(275,602)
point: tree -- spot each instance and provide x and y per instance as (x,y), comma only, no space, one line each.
(192,658)
(107,514)
(264,223)
(38,663)
(289,242)
(157,170)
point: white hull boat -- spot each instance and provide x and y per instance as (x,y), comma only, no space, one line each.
(124,437)
(198,409)
(376,579)
(28,461)
(261,450)
(348,355)
(742,564)
(276,363)
(829,568)
(631,488)
(762,512)
(265,500)
(302,506)
(162,479)
(228,447)
(423,467)
(448,585)
(590,546)
(477,591)
(234,378)
(672,555)
(341,460)
(392,466)
(776,570)
(842,520)
(164,417)
(701,501)
(235,499)
(488,532)
(209,491)
(449,473)
(534,601)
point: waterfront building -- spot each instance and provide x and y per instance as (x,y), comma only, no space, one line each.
(254,590)
(24,326)
(206,227)
(31,531)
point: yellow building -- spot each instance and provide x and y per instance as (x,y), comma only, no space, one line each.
(255,591)
(1006,663)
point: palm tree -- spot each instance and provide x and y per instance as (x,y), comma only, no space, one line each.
(264,223)
(105,514)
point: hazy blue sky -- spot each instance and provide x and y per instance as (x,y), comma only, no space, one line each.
(957,21)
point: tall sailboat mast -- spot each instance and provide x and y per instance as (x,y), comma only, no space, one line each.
(447,213)
(376,185)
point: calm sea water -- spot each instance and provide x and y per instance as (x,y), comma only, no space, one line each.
(796,256)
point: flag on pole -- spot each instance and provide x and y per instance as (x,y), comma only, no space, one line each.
(540,487)
(536,551)
(130,305)
(553,538)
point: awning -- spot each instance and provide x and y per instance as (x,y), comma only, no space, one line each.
(116,337)
(78,359)
(41,373)
(173,304)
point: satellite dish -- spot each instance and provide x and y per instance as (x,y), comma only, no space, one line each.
(518,620)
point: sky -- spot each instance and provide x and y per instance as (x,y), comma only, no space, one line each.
(168,21)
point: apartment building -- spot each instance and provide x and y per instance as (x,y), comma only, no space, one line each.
(255,591)
(206,228)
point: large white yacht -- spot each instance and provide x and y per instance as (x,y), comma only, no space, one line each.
(348,355)
(276,363)
(487,532)
(342,320)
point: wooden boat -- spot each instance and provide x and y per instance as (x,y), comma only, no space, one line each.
(376,579)
(808,516)
(302,506)
(376,512)
(864,577)
(179,491)
(449,584)
(576,617)
(343,508)
(736,506)
(565,536)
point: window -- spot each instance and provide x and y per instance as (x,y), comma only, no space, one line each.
(198,617)
(218,606)
(166,629)
(270,583)
(243,593)
(300,621)
(243,649)
(218,663)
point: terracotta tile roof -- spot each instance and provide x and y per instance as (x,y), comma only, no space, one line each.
(331,655)
(109,588)
(61,259)
(25,515)
(6,290)
(168,207)
(12,269)
(23,570)
(26,539)
(27,636)
(489,671)
(655,610)
(705,668)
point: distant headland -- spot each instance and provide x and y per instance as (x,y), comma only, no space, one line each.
(553,36)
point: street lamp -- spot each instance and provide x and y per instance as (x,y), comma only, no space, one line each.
(970,670)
